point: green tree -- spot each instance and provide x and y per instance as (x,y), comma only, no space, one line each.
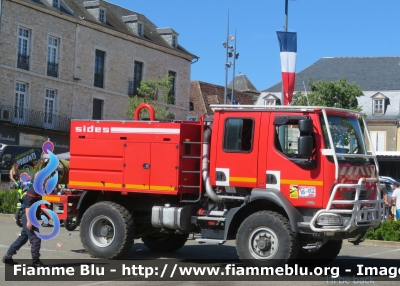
(148,92)
(340,94)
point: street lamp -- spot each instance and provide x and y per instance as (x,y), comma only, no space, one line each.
(227,64)
(235,56)
(230,52)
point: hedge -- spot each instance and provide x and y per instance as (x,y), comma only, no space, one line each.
(388,231)
(8,201)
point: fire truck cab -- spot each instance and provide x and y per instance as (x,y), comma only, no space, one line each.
(285,182)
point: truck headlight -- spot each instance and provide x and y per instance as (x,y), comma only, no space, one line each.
(329,219)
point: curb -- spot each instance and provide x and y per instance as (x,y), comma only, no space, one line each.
(376,243)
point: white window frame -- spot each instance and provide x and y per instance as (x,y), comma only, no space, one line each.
(375,103)
(375,140)
(24,41)
(19,115)
(50,95)
(269,101)
(53,50)
(102,16)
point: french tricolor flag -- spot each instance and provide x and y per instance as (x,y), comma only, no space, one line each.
(288,45)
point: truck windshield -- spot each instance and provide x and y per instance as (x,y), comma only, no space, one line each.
(347,136)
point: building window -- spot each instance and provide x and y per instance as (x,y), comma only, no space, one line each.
(378,139)
(238,135)
(52,57)
(102,16)
(378,106)
(97,109)
(174,43)
(140,29)
(23,48)
(269,102)
(20,101)
(137,76)
(191,106)
(56,4)
(49,106)
(99,69)
(171,95)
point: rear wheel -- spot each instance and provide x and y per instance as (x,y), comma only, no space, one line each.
(266,239)
(165,242)
(107,230)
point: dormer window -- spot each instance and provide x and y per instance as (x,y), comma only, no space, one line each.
(271,99)
(135,23)
(140,29)
(379,102)
(102,16)
(96,9)
(169,35)
(56,4)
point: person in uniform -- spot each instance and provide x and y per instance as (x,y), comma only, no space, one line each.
(27,233)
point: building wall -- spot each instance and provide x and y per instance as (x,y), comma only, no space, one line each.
(79,40)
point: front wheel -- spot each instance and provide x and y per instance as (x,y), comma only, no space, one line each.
(165,242)
(107,230)
(266,239)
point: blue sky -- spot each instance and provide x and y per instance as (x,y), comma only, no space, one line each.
(325,28)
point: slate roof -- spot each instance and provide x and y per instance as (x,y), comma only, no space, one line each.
(114,20)
(214,94)
(242,83)
(392,106)
(370,73)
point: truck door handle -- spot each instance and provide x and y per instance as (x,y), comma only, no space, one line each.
(146,166)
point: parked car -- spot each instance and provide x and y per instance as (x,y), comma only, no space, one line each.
(387,183)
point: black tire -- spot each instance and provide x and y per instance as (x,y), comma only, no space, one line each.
(69,225)
(165,242)
(266,239)
(17,216)
(326,254)
(107,230)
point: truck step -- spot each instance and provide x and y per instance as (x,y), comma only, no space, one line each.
(211,218)
(191,172)
(208,240)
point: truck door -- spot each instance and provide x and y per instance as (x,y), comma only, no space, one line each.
(235,153)
(299,177)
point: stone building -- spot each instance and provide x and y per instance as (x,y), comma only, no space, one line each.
(76,59)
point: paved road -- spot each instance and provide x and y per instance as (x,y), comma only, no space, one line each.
(67,245)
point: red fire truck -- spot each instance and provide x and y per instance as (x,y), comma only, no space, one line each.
(285,182)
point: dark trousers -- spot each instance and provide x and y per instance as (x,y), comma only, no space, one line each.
(23,238)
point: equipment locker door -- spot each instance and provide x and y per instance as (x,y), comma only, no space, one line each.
(164,168)
(137,166)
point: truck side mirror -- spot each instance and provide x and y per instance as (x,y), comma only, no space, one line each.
(305,141)
(305,146)
(306,126)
